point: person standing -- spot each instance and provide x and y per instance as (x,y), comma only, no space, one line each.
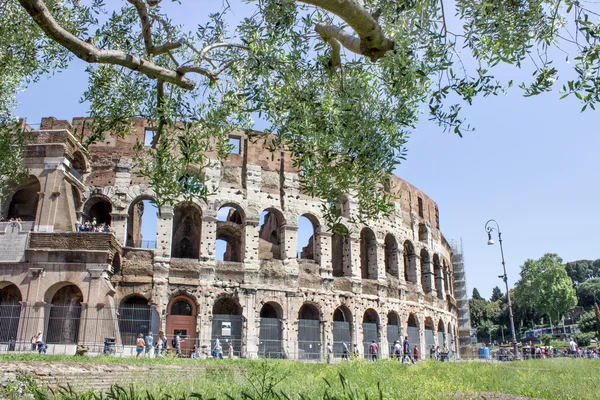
(140,345)
(355,352)
(397,350)
(573,348)
(149,341)
(215,347)
(373,350)
(344,351)
(406,351)
(230,350)
(329,352)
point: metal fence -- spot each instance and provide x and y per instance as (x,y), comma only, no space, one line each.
(309,339)
(269,338)
(141,244)
(341,332)
(228,328)
(369,334)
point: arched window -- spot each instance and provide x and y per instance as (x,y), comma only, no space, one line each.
(309,333)
(141,224)
(24,201)
(98,210)
(135,317)
(340,251)
(370,327)
(187,226)
(368,254)
(414,336)
(429,338)
(391,255)
(393,330)
(426,274)
(410,263)
(10,313)
(441,335)
(227,322)
(181,307)
(269,335)
(342,329)
(230,234)
(307,238)
(269,234)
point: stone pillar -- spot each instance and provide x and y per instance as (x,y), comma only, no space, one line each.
(352,256)
(439,285)
(164,231)
(118,222)
(208,241)
(289,243)
(250,256)
(250,336)
(205,324)
(381,273)
(323,249)
(427,277)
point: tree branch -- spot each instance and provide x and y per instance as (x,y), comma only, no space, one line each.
(373,43)
(146,21)
(91,54)
(335,36)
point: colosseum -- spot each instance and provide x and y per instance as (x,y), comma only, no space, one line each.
(255,266)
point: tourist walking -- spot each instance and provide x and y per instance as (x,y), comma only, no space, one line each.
(344,351)
(373,350)
(215,347)
(329,352)
(149,341)
(355,352)
(177,344)
(406,351)
(140,345)
(397,350)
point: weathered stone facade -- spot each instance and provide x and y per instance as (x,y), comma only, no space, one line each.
(383,281)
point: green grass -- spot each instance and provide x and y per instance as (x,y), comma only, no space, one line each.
(548,379)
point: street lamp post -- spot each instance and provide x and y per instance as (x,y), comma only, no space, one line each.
(489,228)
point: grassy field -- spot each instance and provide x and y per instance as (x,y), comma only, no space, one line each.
(547,379)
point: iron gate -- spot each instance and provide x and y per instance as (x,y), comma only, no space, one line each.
(9,322)
(269,338)
(414,338)
(135,319)
(63,324)
(369,334)
(228,327)
(440,337)
(309,339)
(429,341)
(393,334)
(341,332)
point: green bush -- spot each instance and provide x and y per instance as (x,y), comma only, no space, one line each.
(583,339)
(546,339)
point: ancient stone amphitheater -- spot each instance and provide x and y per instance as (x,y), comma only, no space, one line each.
(232,268)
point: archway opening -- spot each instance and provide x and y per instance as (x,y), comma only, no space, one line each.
(370,327)
(98,211)
(412,331)
(309,333)
(342,330)
(426,274)
(181,320)
(141,223)
(307,238)
(23,204)
(116,264)
(446,277)
(391,255)
(269,235)
(410,263)
(135,317)
(393,330)
(10,313)
(230,234)
(187,226)
(439,278)
(423,234)
(368,254)
(429,335)
(441,335)
(340,251)
(65,315)
(269,337)
(227,323)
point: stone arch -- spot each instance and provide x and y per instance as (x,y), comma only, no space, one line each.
(227,322)
(269,336)
(270,234)
(230,233)
(439,278)
(24,201)
(394,330)
(187,228)
(141,206)
(368,254)
(65,313)
(135,317)
(441,334)
(429,333)
(309,332)
(10,312)
(391,255)
(340,251)
(342,329)
(426,273)
(413,331)
(308,245)
(410,262)
(79,163)
(98,208)
(370,328)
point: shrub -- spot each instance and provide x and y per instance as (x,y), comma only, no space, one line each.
(583,339)
(546,339)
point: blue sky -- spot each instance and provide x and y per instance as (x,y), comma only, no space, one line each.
(531,164)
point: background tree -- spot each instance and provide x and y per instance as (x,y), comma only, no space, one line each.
(476,294)
(581,270)
(588,292)
(339,81)
(545,286)
(496,294)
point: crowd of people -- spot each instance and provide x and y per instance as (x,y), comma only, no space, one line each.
(94,226)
